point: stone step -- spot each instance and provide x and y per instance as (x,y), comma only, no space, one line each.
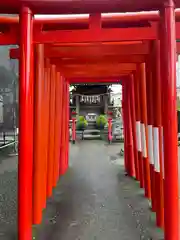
(91,137)
(91,131)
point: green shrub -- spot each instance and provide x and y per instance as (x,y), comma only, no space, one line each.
(81,123)
(101,121)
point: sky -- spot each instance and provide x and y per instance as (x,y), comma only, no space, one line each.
(116,88)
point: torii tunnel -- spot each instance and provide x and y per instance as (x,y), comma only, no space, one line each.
(138,48)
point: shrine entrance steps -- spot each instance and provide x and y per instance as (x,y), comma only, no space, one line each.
(96,201)
(91,134)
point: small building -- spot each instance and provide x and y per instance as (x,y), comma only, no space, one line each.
(90,101)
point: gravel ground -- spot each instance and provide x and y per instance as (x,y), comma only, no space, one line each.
(93,201)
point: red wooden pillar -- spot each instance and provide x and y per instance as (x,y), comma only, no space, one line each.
(124,127)
(122,116)
(46,127)
(74,129)
(25,162)
(150,103)
(129,140)
(56,129)
(61,104)
(67,124)
(144,132)
(60,119)
(45,111)
(138,127)
(133,120)
(110,127)
(63,129)
(157,136)
(168,79)
(39,178)
(51,131)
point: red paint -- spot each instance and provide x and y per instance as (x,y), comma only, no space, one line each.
(138,118)
(51,131)
(54,35)
(67,125)
(133,121)
(91,35)
(168,58)
(57,129)
(66,128)
(60,123)
(63,130)
(150,88)
(157,122)
(91,50)
(110,129)
(39,173)
(129,140)
(46,127)
(93,38)
(143,106)
(121,58)
(124,127)
(120,17)
(26,95)
(79,7)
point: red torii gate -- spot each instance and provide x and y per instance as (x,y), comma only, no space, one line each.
(26,98)
(80,7)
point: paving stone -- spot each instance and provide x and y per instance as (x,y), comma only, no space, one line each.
(95,200)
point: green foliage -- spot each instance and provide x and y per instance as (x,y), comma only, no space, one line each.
(101,121)
(81,123)
(178,104)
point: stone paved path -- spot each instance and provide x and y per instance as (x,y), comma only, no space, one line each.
(8,198)
(95,201)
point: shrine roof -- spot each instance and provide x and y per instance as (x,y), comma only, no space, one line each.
(90,89)
(82,6)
